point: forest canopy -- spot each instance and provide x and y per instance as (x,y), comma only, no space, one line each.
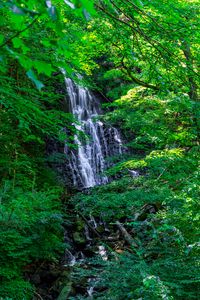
(141,59)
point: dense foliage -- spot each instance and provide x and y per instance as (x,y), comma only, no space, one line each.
(31,214)
(160,207)
(142,56)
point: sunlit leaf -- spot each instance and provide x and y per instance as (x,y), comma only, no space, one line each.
(43,67)
(17,42)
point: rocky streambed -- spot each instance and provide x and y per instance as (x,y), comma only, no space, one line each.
(90,243)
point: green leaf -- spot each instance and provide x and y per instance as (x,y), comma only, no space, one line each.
(33,77)
(17,42)
(89,6)
(43,67)
(1,38)
(25,62)
(46,43)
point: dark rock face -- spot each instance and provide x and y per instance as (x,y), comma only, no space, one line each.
(57,160)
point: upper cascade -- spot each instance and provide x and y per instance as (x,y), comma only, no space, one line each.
(88,162)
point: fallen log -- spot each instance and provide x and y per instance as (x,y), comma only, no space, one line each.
(127,237)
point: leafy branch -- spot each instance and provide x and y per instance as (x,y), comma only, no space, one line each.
(19,32)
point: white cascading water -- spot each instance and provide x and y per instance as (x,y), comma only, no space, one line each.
(89,161)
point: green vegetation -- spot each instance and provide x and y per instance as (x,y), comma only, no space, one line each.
(143,57)
(160,206)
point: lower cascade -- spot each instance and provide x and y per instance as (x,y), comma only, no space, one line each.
(88,162)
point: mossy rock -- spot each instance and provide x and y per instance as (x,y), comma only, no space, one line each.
(79,238)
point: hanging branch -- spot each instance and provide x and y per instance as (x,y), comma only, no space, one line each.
(136,80)
(126,70)
(143,13)
(133,28)
(141,32)
(155,44)
(19,32)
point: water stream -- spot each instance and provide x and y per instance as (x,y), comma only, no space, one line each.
(88,162)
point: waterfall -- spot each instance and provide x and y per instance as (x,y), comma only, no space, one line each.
(88,162)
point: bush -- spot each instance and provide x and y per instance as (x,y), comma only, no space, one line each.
(30,224)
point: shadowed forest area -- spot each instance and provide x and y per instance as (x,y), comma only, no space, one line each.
(100,144)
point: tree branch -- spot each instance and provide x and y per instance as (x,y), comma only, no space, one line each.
(136,80)
(155,44)
(19,32)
